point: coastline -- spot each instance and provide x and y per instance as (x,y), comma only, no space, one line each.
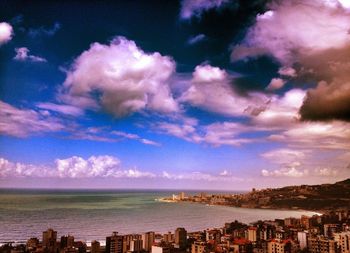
(315,211)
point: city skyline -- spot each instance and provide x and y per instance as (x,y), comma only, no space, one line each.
(191,94)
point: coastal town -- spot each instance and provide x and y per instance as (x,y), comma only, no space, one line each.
(329,232)
(320,198)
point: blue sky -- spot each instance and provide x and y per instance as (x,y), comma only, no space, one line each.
(221,94)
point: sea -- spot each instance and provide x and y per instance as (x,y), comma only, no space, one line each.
(94,214)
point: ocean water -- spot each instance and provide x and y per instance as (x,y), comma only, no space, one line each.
(93,215)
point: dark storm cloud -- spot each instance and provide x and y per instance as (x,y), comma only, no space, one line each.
(331,98)
(327,102)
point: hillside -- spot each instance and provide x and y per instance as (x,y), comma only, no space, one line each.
(310,197)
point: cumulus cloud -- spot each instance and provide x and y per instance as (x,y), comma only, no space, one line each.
(294,27)
(275,84)
(22,54)
(77,167)
(281,111)
(6,32)
(11,169)
(327,102)
(211,89)
(103,166)
(73,167)
(24,122)
(315,36)
(191,8)
(121,78)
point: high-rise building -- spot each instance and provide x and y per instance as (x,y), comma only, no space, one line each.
(252,234)
(169,237)
(181,237)
(114,243)
(32,244)
(343,241)
(50,241)
(305,221)
(330,229)
(160,249)
(302,239)
(182,196)
(199,247)
(321,244)
(282,246)
(148,240)
(136,245)
(67,241)
(95,247)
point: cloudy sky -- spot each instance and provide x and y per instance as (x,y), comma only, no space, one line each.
(194,94)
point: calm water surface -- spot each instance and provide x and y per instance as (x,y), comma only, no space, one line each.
(90,215)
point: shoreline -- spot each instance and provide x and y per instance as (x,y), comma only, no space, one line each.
(316,212)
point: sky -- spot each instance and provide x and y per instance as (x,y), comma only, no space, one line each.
(191,94)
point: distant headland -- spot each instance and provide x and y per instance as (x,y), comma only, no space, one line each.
(320,198)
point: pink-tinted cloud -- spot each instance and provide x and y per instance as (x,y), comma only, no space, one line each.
(275,84)
(135,137)
(61,108)
(6,32)
(191,8)
(24,122)
(126,78)
(22,54)
(211,89)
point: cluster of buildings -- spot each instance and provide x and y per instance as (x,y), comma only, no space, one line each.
(328,233)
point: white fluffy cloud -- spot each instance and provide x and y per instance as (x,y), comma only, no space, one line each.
(6,32)
(22,54)
(100,167)
(313,35)
(73,167)
(295,27)
(211,89)
(95,166)
(121,78)
(281,112)
(24,122)
(191,8)
(10,169)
